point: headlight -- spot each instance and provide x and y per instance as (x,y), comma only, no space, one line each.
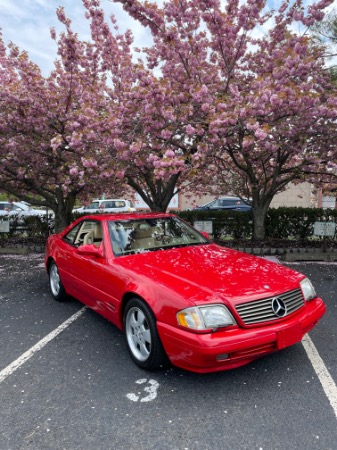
(205,317)
(308,289)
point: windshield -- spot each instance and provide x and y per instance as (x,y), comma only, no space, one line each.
(143,235)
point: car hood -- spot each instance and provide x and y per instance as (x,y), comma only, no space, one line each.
(209,272)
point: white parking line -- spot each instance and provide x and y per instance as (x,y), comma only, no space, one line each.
(37,347)
(322,372)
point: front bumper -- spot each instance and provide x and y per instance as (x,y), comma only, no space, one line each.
(234,347)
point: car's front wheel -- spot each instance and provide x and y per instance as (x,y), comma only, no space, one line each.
(55,283)
(141,335)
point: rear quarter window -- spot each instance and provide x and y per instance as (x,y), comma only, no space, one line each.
(70,237)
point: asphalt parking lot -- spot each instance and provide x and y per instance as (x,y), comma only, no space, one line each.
(67,382)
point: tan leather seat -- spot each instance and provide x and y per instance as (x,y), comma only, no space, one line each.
(143,237)
(98,237)
(94,236)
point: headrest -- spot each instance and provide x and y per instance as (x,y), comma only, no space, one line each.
(143,230)
(98,230)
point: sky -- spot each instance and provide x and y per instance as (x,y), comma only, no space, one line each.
(27,23)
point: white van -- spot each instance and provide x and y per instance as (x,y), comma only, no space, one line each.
(107,205)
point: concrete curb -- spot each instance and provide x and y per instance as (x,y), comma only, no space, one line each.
(327,256)
(14,251)
(294,254)
(20,250)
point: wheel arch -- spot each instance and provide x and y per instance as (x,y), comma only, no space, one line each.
(48,262)
(125,299)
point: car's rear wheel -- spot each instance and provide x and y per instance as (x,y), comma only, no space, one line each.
(55,283)
(141,335)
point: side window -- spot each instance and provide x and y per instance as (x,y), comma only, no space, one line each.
(94,205)
(89,232)
(215,204)
(231,202)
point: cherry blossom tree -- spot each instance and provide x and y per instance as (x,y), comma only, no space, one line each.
(49,151)
(147,121)
(324,173)
(268,105)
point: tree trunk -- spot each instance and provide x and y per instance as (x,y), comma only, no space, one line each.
(158,193)
(61,222)
(259,229)
(260,209)
(63,211)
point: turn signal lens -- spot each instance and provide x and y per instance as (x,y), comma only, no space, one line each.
(190,318)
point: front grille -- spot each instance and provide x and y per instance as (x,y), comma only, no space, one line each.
(261,310)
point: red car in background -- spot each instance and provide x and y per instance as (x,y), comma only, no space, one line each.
(176,295)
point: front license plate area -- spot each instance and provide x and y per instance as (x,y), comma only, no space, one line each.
(289,336)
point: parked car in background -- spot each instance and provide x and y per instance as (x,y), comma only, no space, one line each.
(107,205)
(178,296)
(228,202)
(21,209)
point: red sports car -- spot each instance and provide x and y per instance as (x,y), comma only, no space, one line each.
(176,295)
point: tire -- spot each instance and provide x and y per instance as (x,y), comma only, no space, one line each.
(142,337)
(56,287)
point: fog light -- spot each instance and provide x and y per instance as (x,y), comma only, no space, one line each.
(222,357)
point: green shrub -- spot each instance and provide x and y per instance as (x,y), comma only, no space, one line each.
(281,223)
(296,223)
(36,227)
(234,224)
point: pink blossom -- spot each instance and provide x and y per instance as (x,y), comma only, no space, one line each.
(73,171)
(119,144)
(89,163)
(169,154)
(190,130)
(166,134)
(260,134)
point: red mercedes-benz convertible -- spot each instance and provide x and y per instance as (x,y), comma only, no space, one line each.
(176,295)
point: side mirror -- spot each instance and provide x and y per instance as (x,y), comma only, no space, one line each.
(205,234)
(90,250)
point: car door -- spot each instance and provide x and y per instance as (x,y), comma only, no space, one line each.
(88,276)
(98,284)
(80,271)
